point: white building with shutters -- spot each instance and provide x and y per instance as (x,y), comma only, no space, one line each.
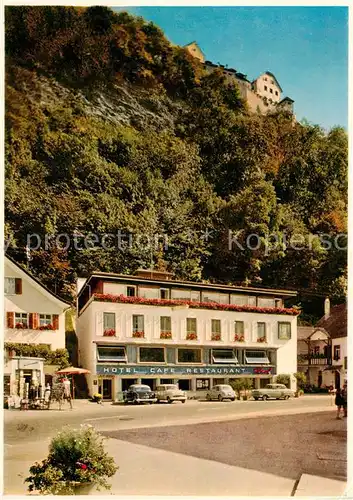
(33,315)
(152,329)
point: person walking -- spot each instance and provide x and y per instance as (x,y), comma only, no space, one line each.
(344,396)
(339,402)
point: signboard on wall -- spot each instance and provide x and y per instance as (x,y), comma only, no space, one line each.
(182,370)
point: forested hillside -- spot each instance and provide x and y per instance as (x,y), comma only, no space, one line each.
(111,128)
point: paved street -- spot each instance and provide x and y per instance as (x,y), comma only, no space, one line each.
(240,451)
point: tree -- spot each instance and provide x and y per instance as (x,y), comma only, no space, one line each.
(283,379)
(301,379)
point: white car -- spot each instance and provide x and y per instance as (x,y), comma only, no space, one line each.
(170,393)
(221,392)
(274,391)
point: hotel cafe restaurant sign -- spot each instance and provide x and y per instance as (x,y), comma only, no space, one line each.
(182,370)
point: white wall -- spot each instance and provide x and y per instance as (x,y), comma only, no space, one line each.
(33,299)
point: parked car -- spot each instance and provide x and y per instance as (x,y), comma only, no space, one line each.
(138,393)
(170,393)
(221,392)
(274,391)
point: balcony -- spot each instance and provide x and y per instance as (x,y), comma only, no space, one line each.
(313,359)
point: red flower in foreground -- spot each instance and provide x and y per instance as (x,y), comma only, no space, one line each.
(81,465)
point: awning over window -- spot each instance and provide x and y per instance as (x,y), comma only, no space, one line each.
(116,354)
(224,356)
(256,358)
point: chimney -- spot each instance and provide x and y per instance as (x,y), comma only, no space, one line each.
(327,308)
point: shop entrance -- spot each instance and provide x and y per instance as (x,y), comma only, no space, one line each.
(105,387)
(126,382)
(149,381)
(184,384)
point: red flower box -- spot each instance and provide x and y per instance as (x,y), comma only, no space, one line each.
(109,333)
(191,336)
(193,305)
(21,326)
(138,335)
(262,339)
(216,336)
(166,335)
(46,327)
(239,338)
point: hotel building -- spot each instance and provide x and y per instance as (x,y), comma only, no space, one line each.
(152,329)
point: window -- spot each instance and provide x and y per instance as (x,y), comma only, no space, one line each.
(239,327)
(221,298)
(111,353)
(336,352)
(10,286)
(22,319)
(108,321)
(165,293)
(45,319)
(265,78)
(256,357)
(278,303)
(149,293)
(276,92)
(284,331)
(184,384)
(224,356)
(345,363)
(202,384)
(239,300)
(252,301)
(191,325)
(265,302)
(317,350)
(261,330)
(216,326)
(138,323)
(151,355)
(272,82)
(131,291)
(265,87)
(189,355)
(166,324)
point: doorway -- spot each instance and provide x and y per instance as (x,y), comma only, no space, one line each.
(151,382)
(126,382)
(337,380)
(105,388)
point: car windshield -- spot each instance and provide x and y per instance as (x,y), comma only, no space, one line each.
(171,387)
(140,388)
(225,387)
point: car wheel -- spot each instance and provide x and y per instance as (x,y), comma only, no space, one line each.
(256,399)
(135,402)
(169,401)
(233,399)
(151,402)
(264,397)
(208,397)
(220,398)
(183,401)
(286,397)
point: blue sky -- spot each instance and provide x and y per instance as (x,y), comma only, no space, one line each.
(305,47)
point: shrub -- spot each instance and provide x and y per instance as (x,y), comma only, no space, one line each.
(301,379)
(283,379)
(76,457)
(241,384)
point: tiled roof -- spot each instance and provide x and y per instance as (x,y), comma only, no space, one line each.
(304,332)
(336,323)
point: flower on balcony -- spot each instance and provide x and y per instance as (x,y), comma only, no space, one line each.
(261,339)
(194,305)
(166,335)
(138,334)
(216,336)
(46,327)
(110,332)
(239,338)
(191,336)
(21,326)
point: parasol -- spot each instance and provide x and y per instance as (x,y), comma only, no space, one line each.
(72,370)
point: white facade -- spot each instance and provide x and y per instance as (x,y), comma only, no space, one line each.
(340,356)
(91,333)
(33,315)
(33,299)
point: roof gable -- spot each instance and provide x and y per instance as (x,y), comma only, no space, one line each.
(36,283)
(272,76)
(336,323)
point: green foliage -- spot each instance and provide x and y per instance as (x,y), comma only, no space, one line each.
(216,169)
(241,384)
(283,378)
(58,357)
(76,456)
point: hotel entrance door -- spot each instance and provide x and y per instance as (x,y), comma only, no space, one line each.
(105,388)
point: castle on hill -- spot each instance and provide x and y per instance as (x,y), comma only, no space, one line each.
(262,95)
